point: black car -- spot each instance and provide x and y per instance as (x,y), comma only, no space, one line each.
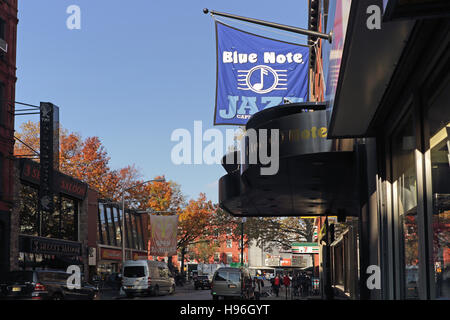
(202,282)
(43,285)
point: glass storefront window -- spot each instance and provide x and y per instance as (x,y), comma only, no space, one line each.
(404,174)
(51,223)
(112,232)
(118,226)
(69,213)
(103,225)
(129,228)
(29,214)
(439,130)
(61,224)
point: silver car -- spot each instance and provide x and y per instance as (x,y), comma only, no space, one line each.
(232,282)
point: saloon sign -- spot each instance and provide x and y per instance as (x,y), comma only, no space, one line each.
(254,73)
(49,246)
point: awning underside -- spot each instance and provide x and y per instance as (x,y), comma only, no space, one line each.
(306,185)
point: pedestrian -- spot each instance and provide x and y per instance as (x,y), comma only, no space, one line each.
(307,285)
(287,283)
(295,284)
(276,284)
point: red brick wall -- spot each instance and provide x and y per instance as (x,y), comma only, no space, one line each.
(8,13)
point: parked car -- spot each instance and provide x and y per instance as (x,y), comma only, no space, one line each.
(232,283)
(44,285)
(143,277)
(202,282)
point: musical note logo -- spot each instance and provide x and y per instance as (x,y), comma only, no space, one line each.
(268,80)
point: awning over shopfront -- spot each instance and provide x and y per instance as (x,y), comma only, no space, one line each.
(316,175)
(369,59)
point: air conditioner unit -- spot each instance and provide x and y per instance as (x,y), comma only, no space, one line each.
(3,45)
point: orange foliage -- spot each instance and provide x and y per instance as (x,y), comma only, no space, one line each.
(195,221)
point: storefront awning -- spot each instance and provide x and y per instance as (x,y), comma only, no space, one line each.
(369,59)
(316,175)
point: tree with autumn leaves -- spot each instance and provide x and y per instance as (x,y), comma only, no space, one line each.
(200,221)
(88,161)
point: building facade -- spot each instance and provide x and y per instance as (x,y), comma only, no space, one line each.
(8,40)
(108,250)
(400,119)
(383,168)
(43,240)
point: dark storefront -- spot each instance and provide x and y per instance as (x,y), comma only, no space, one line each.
(49,240)
(388,93)
(389,88)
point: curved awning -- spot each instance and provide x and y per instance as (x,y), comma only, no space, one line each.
(315,175)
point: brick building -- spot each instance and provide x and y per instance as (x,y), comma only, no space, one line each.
(8,39)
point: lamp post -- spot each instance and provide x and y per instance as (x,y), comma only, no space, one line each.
(123,212)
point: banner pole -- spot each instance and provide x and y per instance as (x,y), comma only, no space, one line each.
(306,32)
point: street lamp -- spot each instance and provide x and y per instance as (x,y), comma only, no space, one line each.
(123,212)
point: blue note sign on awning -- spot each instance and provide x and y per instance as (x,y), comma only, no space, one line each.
(255,73)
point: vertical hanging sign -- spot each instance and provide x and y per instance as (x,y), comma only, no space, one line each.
(47,155)
(163,235)
(255,73)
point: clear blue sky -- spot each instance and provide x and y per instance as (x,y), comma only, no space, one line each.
(136,71)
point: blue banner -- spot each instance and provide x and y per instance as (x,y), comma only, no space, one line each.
(255,73)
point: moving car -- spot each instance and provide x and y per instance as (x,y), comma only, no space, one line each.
(144,277)
(44,285)
(232,283)
(202,282)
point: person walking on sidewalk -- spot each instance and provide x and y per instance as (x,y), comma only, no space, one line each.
(276,285)
(287,283)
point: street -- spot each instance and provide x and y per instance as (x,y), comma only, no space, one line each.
(187,292)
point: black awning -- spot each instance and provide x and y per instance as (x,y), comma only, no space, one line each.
(369,59)
(307,185)
(315,175)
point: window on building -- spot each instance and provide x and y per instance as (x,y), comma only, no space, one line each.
(69,219)
(118,226)
(229,258)
(103,224)
(112,229)
(29,213)
(129,230)
(439,132)
(229,243)
(140,244)
(405,202)
(51,222)
(61,224)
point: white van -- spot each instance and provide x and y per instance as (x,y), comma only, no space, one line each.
(142,277)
